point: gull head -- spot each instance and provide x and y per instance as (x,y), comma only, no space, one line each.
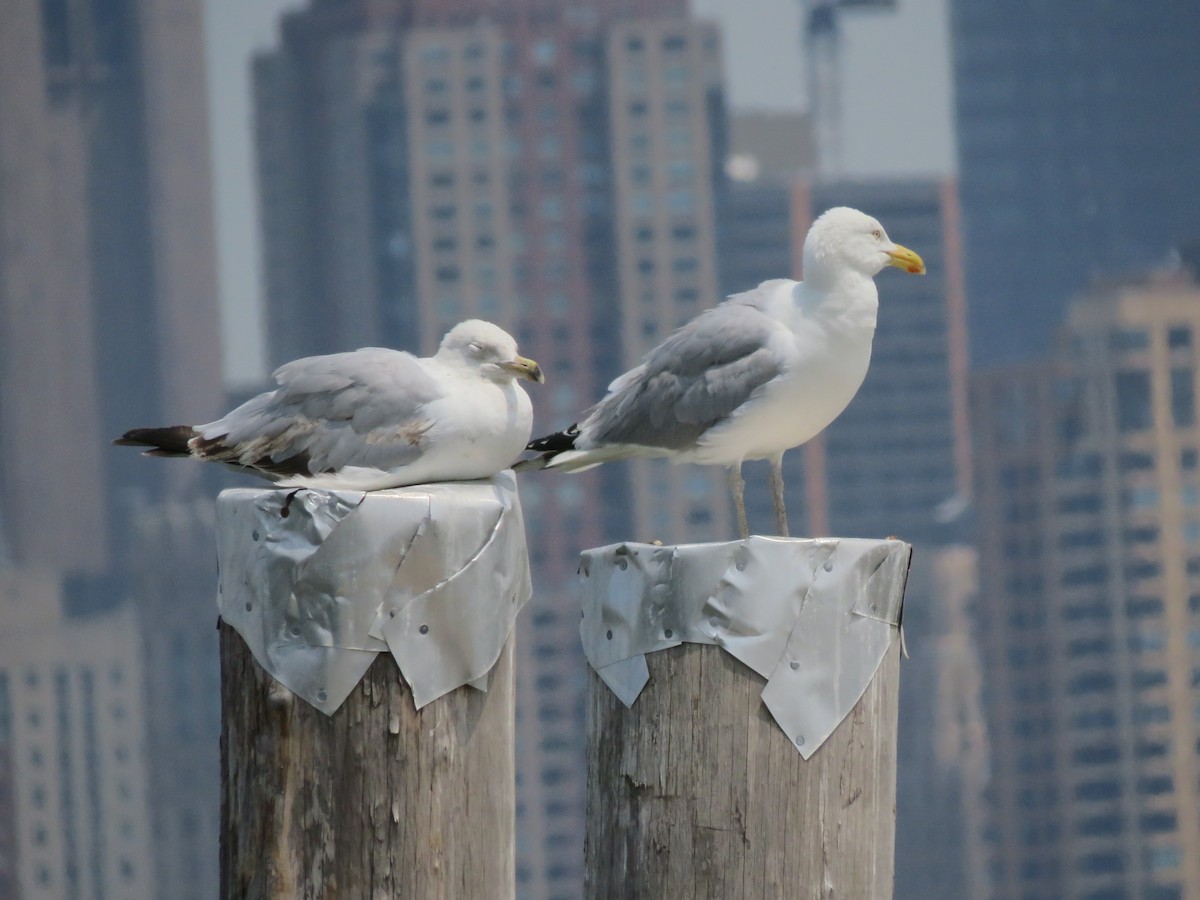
(489,350)
(844,238)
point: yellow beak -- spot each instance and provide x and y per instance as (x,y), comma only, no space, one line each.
(525,368)
(903,258)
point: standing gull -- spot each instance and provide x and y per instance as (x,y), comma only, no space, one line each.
(751,378)
(374,418)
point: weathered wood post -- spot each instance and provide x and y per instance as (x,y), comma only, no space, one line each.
(764,764)
(360,755)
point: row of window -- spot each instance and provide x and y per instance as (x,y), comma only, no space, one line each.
(1179,337)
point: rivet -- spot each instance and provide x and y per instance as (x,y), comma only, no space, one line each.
(610,634)
(828,567)
(322,696)
(799,740)
(249,606)
(424,629)
(712,620)
(795,664)
(622,564)
(392,613)
(254,534)
(741,565)
(295,631)
(668,633)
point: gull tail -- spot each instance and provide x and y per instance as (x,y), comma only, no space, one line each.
(558,451)
(170,441)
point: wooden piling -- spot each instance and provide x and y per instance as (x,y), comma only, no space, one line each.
(377,800)
(695,792)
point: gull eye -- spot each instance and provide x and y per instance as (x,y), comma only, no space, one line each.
(475,347)
(877,234)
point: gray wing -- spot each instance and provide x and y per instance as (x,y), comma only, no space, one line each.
(690,382)
(362,408)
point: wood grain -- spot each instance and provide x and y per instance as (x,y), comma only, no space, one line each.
(695,792)
(377,801)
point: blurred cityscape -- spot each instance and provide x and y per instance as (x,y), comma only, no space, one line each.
(575,171)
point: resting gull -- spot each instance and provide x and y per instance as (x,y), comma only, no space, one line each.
(751,378)
(374,418)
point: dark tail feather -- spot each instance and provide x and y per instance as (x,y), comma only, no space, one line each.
(549,447)
(555,443)
(170,441)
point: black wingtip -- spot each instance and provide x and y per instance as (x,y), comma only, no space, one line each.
(555,443)
(169,441)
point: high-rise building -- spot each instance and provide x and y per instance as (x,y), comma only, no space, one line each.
(173,595)
(1075,144)
(1088,515)
(108,320)
(73,788)
(942,754)
(108,313)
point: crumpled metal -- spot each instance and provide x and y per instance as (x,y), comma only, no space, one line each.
(435,574)
(814,617)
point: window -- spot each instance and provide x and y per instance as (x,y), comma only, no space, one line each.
(56,33)
(1091,682)
(1129,339)
(1111,863)
(1179,336)
(1156,784)
(1137,462)
(1146,534)
(1094,718)
(1097,790)
(1091,575)
(1142,569)
(1183,398)
(1089,646)
(543,52)
(1133,400)
(435,53)
(1159,821)
(1075,539)
(1081,503)
(1137,607)
(1107,826)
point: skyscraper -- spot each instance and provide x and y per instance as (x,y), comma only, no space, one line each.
(108,320)
(1089,614)
(108,312)
(1076,136)
(73,790)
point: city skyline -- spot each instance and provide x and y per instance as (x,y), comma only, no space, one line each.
(568,170)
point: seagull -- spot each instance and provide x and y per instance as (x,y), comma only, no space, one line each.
(374,418)
(754,376)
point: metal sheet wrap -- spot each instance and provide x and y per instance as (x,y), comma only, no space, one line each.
(435,574)
(813,617)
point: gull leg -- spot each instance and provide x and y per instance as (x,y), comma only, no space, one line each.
(737,485)
(777,493)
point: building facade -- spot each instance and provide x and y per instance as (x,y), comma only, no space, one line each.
(1088,511)
(108,320)
(1073,162)
(108,314)
(74,803)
